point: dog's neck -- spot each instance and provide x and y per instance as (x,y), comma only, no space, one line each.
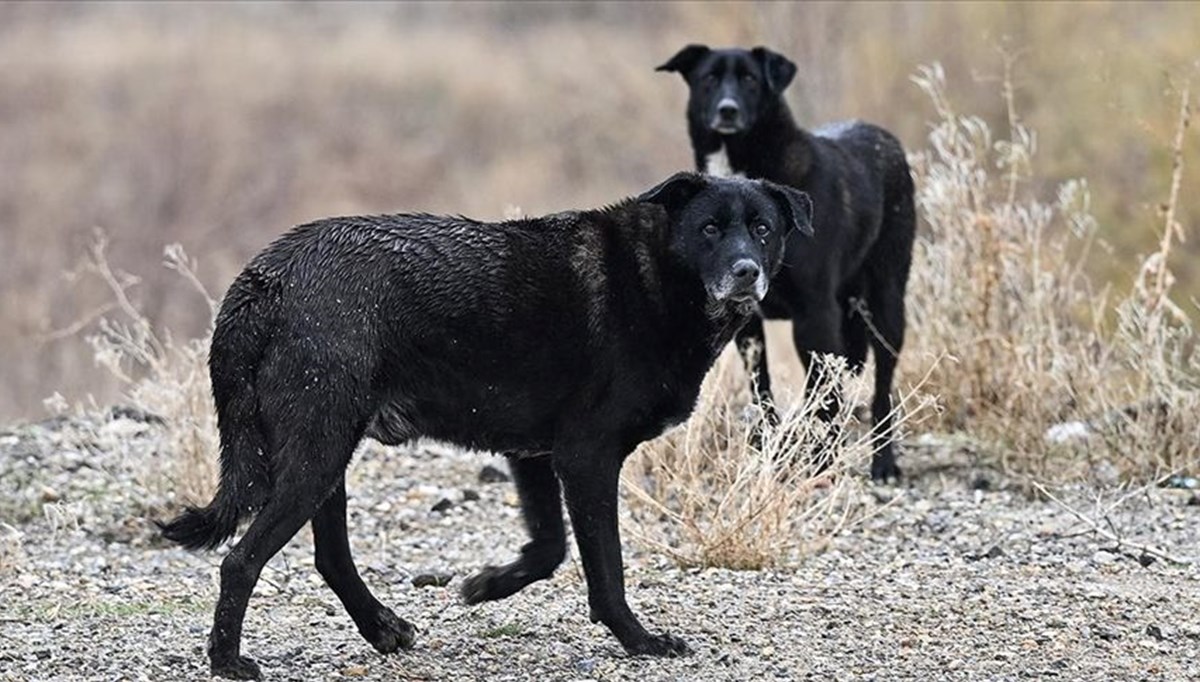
(646,282)
(775,148)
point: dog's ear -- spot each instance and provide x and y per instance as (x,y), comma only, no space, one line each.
(675,191)
(778,70)
(795,205)
(685,60)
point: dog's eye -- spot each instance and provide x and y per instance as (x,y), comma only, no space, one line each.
(762,229)
(711,230)
(710,79)
(749,79)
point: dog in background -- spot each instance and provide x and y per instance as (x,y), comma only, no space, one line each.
(845,291)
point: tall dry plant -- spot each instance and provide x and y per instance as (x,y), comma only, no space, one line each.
(706,494)
(1048,373)
(161,377)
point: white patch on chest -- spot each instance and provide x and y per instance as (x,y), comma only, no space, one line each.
(717,165)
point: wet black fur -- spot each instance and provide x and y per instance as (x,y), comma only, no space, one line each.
(846,290)
(564,340)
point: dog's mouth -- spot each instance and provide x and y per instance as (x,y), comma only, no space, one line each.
(742,302)
(739,303)
(729,291)
(726,128)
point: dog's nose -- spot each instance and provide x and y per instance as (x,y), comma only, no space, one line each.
(727,109)
(745,271)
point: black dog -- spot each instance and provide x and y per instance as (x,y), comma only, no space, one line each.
(847,290)
(568,339)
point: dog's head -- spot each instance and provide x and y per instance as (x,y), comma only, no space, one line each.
(730,89)
(731,232)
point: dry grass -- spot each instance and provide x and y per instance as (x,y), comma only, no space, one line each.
(161,377)
(705,495)
(12,552)
(1000,284)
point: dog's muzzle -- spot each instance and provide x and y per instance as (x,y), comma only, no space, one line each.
(728,118)
(744,285)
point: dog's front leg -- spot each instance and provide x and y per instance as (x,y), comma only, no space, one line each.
(589,476)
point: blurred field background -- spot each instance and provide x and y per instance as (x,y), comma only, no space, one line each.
(218,126)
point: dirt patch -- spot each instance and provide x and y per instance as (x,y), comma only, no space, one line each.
(957,575)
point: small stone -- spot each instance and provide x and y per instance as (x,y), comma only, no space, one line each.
(981,483)
(992,552)
(1106,634)
(1155,632)
(443,504)
(355,671)
(1194,500)
(50,494)
(470,495)
(490,474)
(586,665)
(431,579)
(1145,559)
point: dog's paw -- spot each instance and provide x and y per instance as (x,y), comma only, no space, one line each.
(476,589)
(389,632)
(238,668)
(662,646)
(884,468)
(489,584)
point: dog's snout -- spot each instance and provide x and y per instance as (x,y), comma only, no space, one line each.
(745,271)
(727,109)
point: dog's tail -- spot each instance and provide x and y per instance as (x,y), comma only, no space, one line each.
(239,341)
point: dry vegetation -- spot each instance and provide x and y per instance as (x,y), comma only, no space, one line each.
(734,504)
(1001,289)
(220,128)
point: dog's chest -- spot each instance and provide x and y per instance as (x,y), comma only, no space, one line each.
(717,164)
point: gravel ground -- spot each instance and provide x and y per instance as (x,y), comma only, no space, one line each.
(945,581)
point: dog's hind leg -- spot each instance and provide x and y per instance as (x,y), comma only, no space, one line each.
(293,502)
(887,338)
(887,279)
(315,440)
(378,624)
(541,507)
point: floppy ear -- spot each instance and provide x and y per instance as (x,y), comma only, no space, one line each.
(795,205)
(778,70)
(685,60)
(675,191)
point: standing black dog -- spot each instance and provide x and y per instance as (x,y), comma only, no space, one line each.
(847,289)
(569,339)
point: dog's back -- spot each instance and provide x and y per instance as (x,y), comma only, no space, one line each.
(864,179)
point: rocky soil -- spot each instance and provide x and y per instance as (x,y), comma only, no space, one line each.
(959,575)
